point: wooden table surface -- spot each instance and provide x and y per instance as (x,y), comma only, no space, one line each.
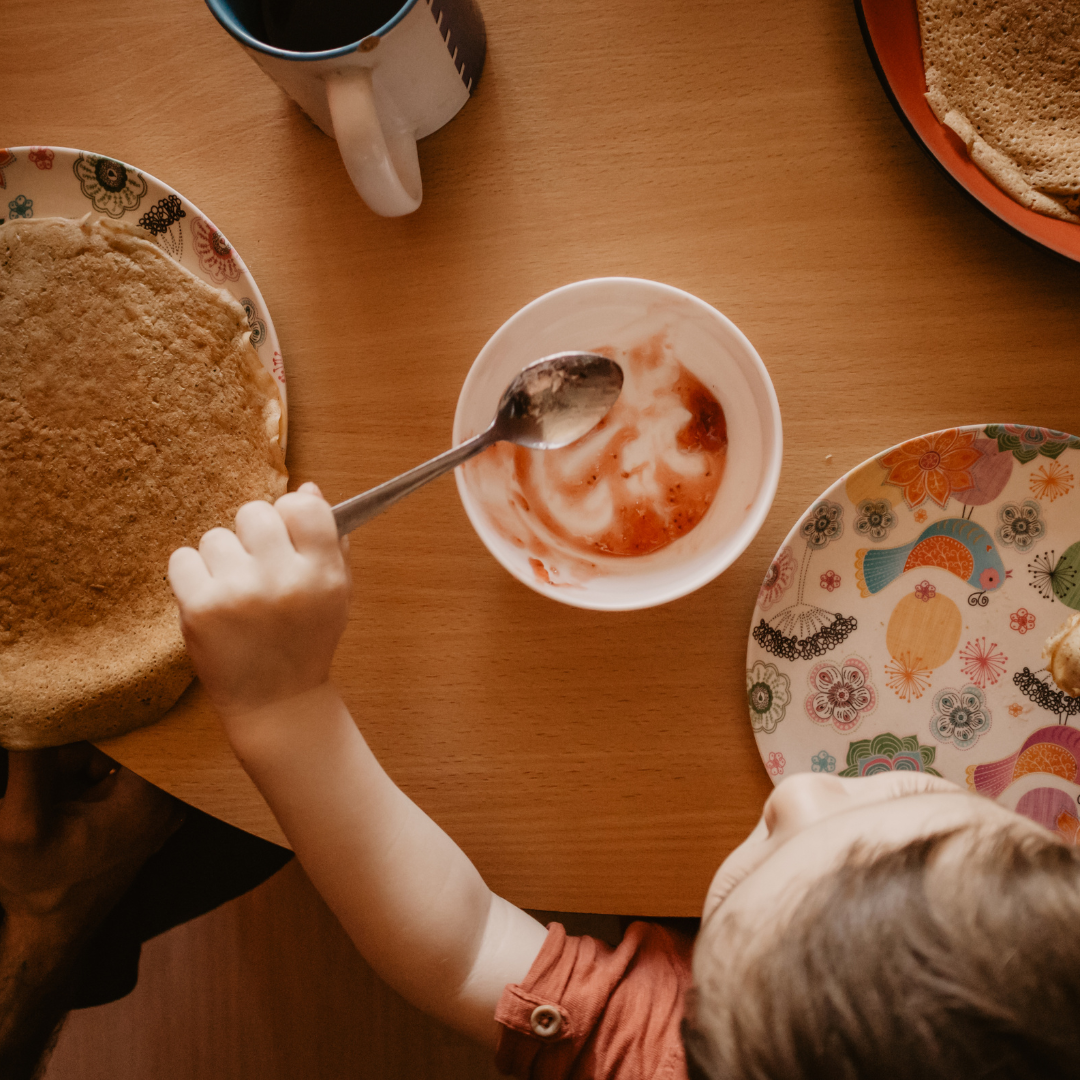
(744,152)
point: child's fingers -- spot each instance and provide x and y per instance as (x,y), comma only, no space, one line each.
(310,522)
(262,532)
(188,574)
(222,552)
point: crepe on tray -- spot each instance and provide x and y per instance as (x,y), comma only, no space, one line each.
(134,416)
(1005,76)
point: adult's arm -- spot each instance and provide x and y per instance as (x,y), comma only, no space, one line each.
(38,959)
(74,830)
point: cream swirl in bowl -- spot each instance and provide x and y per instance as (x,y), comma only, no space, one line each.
(671,487)
(640,480)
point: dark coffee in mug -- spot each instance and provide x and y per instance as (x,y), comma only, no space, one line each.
(318,51)
(316,25)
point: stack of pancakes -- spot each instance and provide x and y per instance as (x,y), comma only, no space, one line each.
(134,416)
(1005,76)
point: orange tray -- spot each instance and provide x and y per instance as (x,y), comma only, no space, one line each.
(890,29)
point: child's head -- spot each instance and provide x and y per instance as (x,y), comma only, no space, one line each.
(885,928)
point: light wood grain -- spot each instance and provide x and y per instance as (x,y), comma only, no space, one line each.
(267,987)
(744,152)
(187,754)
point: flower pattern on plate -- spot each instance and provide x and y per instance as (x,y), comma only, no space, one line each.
(889,753)
(1020,525)
(825,524)
(933,466)
(42,157)
(823,762)
(982,663)
(1052,577)
(778,578)
(920,628)
(906,676)
(960,717)
(162,222)
(768,691)
(111,186)
(776,763)
(803,629)
(1051,481)
(258,327)
(215,253)
(874,518)
(1027,443)
(21,207)
(840,694)
(830,580)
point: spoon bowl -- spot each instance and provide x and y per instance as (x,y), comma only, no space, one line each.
(550,403)
(555,401)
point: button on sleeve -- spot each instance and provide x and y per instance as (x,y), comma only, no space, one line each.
(546,1021)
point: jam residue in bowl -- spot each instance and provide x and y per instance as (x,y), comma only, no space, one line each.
(640,480)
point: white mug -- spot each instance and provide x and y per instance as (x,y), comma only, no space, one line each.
(378,95)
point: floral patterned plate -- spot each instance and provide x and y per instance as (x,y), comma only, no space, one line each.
(900,625)
(51,181)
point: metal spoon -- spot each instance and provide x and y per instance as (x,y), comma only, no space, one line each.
(550,403)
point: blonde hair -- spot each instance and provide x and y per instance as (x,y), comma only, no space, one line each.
(901,965)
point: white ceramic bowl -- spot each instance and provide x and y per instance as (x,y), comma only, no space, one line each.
(623,312)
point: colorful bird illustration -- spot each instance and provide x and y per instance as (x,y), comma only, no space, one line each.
(954,544)
(989,475)
(1054,750)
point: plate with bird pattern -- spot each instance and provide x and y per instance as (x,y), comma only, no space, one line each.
(901,623)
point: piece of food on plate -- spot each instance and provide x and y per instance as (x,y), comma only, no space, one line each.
(134,416)
(1062,655)
(1005,76)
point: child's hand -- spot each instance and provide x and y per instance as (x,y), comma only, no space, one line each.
(262,608)
(262,612)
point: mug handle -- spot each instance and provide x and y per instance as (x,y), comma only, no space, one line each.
(379,154)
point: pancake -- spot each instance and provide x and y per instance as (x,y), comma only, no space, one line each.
(1005,76)
(134,416)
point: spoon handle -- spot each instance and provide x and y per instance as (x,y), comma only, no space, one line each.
(360,509)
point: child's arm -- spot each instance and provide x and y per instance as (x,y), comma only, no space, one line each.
(262,611)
